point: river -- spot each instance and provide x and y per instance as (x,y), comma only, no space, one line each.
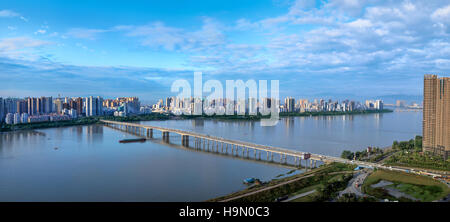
(86,163)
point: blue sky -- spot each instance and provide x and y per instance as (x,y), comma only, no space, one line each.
(334,48)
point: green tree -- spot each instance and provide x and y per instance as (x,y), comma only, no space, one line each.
(395,144)
(347,154)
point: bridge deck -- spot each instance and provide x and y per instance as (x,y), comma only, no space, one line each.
(260,147)
(265,148)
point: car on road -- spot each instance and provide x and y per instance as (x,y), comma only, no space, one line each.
(279,199)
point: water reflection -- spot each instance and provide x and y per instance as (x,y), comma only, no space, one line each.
(90,164)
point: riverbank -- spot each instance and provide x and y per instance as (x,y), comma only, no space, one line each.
(167,116)
(334,113)
(330,177)
(406,154)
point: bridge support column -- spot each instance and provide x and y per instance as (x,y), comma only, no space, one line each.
(185,140)
(166,136)
(150,133)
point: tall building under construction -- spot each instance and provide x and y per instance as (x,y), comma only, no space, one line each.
(436,115)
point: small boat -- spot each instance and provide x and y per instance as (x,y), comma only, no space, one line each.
(141,140)
(249,180)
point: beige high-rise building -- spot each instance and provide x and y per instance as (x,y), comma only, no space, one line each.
(436,115)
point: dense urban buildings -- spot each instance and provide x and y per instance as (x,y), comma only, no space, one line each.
(30,109)
(33,109)
(252,106)
(436,115)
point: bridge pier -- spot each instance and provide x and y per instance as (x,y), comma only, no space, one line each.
(150,133)
(165,136)
(185,140)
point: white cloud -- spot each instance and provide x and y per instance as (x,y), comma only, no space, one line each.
(158,35)
(40,31)
(10,14)
(442,14)
(20,47)
(82,33)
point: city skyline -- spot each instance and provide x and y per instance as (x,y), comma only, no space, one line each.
(42,109)
(315,48)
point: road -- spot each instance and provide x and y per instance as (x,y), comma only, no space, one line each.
(278,185)
(299,195)
(358,178)
(267,188)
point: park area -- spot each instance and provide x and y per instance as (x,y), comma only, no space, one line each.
(399,186)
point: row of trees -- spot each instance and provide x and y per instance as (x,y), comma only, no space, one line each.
(361,155)
(411,145)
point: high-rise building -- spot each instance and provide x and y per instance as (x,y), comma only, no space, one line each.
(9,119)
(252,106)
(32,106)
(16,118)
(47,104)
(2,110)
(22,106)
(436,115)
(289,103)
(24,118)
(379,104)
(94,106)
(78,103)
(58,105)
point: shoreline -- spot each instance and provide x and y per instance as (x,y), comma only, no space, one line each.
(159,116)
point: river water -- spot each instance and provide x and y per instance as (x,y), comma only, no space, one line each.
(86,163)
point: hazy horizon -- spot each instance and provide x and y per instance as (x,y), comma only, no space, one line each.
(340,49)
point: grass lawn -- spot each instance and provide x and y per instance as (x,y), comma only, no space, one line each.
(306,189)
(420,187)
(308,198)
(321,173)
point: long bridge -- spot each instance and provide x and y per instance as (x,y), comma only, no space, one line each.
(223,145)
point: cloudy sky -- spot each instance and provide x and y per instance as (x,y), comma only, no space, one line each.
(333,48)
